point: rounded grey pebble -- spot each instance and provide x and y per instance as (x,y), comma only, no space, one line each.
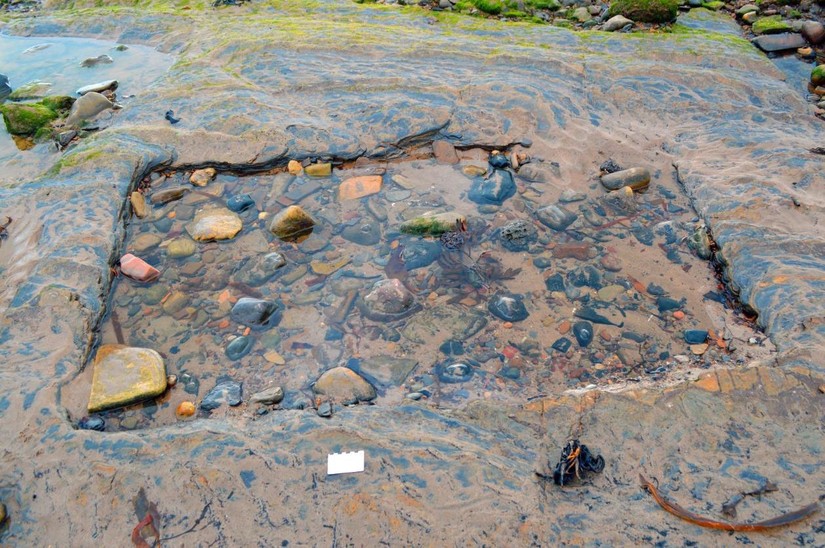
(325,410)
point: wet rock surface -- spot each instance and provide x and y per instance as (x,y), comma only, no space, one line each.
(749,411)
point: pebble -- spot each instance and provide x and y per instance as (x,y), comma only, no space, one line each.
(699,349)
(562,344)
(498,160)
(90,423)
(616,22)
(99,87)
(473,170)
(240,202)
(202,177)
(258,269)
(444,152)
(294,167)
(508,307)
(556,217)
(344,385)
(325,410)
(813,32)
(569,196)
(493,190)
(292,224)
(145,241)
(583,331)
(3,513)
(138,269)
(318,170)
(138,202)
(274,357)
(359,187)
(175,302)
(780,42)
(227,392)
(255,313)
(185,409)
(270,396)
(452,372)
(181,247)
(366,232)
(239,347)
(217,223)
(696,336)
(167,195)
(637,178)
(666,303)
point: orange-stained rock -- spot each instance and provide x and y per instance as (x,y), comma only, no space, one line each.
(358,187)
(294,167)
(185,409)
(138,269)
(344,386)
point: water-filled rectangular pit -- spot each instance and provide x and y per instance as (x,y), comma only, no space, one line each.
(416,280)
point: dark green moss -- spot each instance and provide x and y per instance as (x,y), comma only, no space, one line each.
(645,11)
(58,103)
(493,7)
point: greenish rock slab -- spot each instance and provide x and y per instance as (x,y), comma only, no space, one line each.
(30,90)
(387,370)
(124,375)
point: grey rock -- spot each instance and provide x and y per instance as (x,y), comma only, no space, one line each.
(270,396)
(5,88)
(256,313)
(227,392)
(636,178)
(99,87)
(259,269)
(168,195)
(615,23)
(780,42)
(88,106)
(556,217)
(508,307)
(493,190)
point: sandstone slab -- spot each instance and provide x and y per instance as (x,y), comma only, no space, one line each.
(124,375)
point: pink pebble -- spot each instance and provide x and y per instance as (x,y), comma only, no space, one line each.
(138,269)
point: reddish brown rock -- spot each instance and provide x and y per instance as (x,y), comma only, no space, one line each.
(444,152)
(138,269)
(578,250)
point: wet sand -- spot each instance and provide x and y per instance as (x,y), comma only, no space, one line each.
(451,471)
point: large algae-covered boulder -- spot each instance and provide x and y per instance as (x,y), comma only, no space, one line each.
(26,119)
(646,11)
(818,75)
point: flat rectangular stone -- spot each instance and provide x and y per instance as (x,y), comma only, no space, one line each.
(780,42)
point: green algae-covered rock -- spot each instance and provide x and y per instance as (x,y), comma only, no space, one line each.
(818,75)
(58,102)
(30,90)
(432,224)
(646,11)
(770,25)
(26,119)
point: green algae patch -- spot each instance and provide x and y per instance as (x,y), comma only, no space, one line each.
(714,6)
(26,120)
(818,75)
(645,11)
(770,25)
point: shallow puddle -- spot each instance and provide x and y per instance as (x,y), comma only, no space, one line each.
(57,61)
(606,300)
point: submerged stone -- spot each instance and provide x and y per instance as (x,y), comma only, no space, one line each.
(493,190)
(366,232)
(583,331)
(389,300)
(562,344)
(292,224)
(259,269)
(181,247)
(227,392)
(214,224)
(255,313)
(240,202)
(508,307)
(318,170)
(419,253)
(637,178)
(201,177)
(138,269)
(167,195)
(358,187)
(455,372)
(696,336)
(270,396)
(239,347)
(432,223)
(344,386)
(387,370)
(556,217)
(94,61)
(123,375)
(92,423)
(517,235)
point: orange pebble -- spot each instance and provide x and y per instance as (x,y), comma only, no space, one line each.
(247,331)
(223,324)
(185,409)
(172,215)
(507,325)
(679,315)
(564,327)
